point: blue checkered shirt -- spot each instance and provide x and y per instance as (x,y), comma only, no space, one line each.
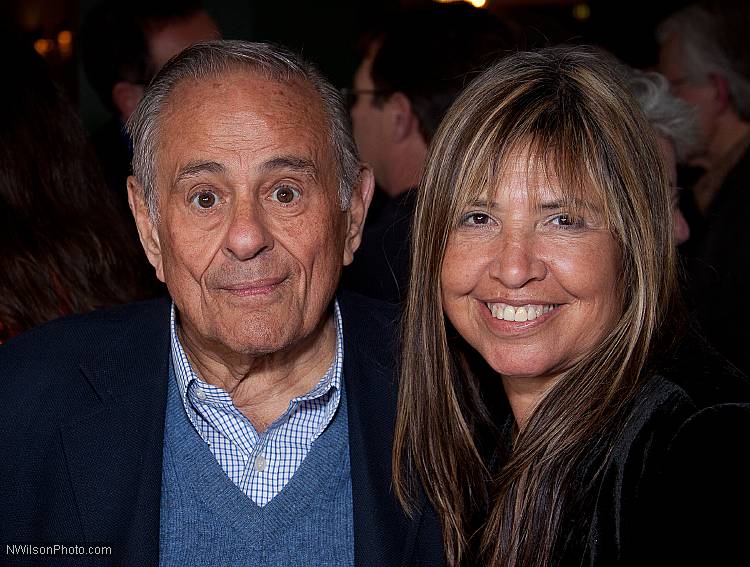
(259,464)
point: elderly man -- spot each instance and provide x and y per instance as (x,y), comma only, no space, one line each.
(249,420)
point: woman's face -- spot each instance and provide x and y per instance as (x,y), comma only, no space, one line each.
(531,288)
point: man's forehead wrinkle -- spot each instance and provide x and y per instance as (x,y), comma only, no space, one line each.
(297,163)
(245,121)
(196,167)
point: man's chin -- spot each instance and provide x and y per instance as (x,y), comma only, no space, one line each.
(254,336)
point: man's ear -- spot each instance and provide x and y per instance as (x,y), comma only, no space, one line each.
(147,229)
(358,205)
(125,97)
(402,122)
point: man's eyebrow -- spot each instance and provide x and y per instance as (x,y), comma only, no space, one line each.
(197,167)
(295,163)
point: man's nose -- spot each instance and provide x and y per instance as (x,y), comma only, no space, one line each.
(248,234)
(517,261)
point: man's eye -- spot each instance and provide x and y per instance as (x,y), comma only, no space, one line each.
(205,199)
(285,194)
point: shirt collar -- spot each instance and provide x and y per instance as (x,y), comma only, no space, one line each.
(186,375)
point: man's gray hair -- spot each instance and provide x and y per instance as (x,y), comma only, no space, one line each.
(670,116)
(214,58)
(699,33)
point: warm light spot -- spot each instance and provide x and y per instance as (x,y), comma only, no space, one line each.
(581,12)
(65,37)
(475,3)
(65,43)
(44,46)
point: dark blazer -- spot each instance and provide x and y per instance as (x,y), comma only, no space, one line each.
(82,424)
(675,489)
(718,264)
(381,265)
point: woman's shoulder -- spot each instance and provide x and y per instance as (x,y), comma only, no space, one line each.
(693,391)
(678,471)
(696,374)
(693,450)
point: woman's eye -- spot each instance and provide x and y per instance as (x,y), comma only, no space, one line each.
(476,219)
(205,199)
(285,194)
(568,221)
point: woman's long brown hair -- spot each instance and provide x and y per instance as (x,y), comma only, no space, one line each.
(568,109)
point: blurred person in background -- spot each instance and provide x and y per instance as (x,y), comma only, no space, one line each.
(124,44)
(705,55)
(409,76)
(676,131)
(63,247)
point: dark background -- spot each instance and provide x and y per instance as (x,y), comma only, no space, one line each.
(327,31)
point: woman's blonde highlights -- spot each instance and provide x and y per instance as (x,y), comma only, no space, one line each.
(567,109)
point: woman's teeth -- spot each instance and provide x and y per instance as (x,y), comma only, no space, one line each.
(525,313)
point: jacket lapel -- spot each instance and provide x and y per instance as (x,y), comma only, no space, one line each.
(114,452)
(382,533)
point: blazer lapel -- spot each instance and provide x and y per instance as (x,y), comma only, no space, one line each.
(383,535)
(114,452)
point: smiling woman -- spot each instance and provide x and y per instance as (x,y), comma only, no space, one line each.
(532,286)
(543,245)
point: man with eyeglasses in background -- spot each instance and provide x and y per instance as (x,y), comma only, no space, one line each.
(408,77)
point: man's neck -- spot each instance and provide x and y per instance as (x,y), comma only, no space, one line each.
(261,387)
(404,167)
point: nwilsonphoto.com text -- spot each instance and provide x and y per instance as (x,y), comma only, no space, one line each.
(27,549)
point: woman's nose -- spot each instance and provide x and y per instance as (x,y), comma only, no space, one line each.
(517,261)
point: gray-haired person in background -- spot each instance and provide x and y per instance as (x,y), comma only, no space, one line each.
(705,55)
(249,419)
(676,131)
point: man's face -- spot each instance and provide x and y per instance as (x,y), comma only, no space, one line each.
(681,227)
(367,118)
(251,237)
(166,42)
(700,95)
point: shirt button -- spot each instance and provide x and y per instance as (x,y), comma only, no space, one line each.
(200,393)
(260,463)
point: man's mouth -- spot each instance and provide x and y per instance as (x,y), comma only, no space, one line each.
(253,287)
(529,312)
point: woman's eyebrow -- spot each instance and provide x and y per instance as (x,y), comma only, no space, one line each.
(484,204)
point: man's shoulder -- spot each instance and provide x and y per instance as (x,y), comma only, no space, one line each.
(87,331)
(55,350)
